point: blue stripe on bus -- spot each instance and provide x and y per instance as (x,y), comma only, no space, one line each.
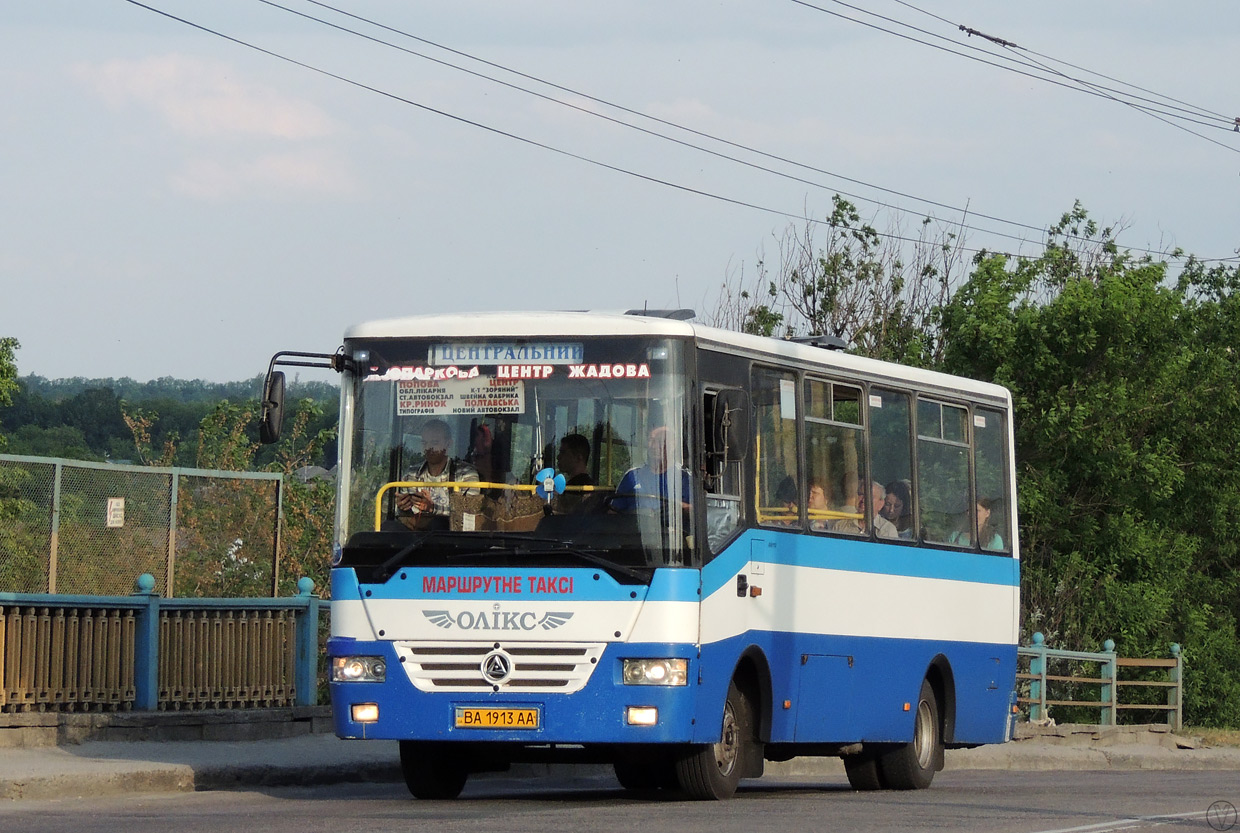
(812,551)
(836,689)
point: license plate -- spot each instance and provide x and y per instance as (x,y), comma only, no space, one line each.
(469,718)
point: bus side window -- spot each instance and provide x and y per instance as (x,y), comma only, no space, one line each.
(775,451)
(943,493)
(991,472)
(833,456)
(891,457)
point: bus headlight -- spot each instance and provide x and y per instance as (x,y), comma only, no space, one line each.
(358,670)
(656,672)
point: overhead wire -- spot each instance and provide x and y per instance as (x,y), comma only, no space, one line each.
(656,134)
(606,165)
(1191,107)
(964,212)
(518,137)
(1163,113)
(1152,108)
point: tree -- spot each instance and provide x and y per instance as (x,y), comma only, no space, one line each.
(879,292)
(224,530)
(8,374)
(1126,417)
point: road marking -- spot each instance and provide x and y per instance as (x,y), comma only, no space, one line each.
(1131,823)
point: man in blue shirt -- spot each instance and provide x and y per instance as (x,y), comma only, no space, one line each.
(645,487)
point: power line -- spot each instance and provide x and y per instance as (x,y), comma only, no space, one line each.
(509,135)
(1190,107)
(653,133)
(1154,109)
(589,160)
(962,211)
(1148,112)
(1217,120)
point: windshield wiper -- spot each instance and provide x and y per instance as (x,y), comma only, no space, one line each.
(593,557)
(561,548)
(388,567)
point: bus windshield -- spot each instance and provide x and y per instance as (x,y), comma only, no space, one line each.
(516,452)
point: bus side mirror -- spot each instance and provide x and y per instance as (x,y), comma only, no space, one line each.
(273,408)
(730,424)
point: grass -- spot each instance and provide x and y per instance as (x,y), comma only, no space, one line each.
(1214,737)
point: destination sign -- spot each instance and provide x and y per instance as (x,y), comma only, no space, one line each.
(480,395)
(502,352)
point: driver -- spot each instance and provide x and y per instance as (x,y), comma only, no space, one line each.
(645,486)
(427,507)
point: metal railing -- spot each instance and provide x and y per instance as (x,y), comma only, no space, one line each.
(1106,679)
(145,652)
(77,527)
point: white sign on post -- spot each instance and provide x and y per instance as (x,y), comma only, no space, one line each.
(116,512)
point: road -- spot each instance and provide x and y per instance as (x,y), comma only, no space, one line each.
(1034,802)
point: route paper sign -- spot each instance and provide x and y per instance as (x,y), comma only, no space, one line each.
(480,395)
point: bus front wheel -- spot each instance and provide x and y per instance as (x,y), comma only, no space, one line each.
(432,772)
(911,766)
(712,772)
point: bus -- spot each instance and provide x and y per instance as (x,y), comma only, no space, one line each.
(635,540)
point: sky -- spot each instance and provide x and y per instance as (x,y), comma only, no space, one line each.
(175,203)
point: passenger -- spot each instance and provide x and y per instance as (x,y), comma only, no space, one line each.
(898,507)
(988,530)
(883,528)
(645,487)
(789,513)
(479,455)
(988,534)
(819,505)
(573,460)
(428,507)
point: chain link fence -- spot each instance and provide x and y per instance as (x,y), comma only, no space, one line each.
(72,527)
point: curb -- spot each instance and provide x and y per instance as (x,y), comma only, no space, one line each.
(111,769)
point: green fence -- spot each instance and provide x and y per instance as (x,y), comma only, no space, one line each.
(68,526)
(1102,683)
(145,652)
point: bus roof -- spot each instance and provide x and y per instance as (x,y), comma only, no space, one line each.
(585,323)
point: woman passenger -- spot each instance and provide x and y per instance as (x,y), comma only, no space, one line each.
(898,507)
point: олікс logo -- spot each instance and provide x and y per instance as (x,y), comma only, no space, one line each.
(497,620)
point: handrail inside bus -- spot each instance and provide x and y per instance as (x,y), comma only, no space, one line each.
(781,513)
(457,485)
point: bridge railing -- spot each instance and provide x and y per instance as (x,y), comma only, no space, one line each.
(1069,673)
(145,652)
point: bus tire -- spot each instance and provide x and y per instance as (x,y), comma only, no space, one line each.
(432,772)
(863,772)
(911,766)
(711,772)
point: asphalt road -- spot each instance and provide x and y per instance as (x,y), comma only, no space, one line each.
(1029,802)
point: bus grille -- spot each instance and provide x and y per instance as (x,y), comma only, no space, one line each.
(536,667)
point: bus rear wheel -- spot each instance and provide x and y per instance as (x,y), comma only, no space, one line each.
(863,772)
(911,766)
(712,772)
(432,771)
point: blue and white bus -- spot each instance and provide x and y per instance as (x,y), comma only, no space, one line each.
(633,539)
